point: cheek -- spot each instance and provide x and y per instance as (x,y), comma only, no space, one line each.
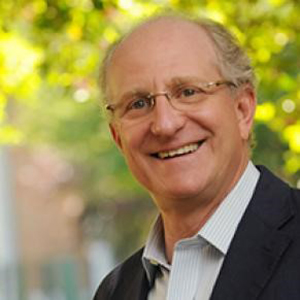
(135,158)
(221,125)
(214,117)
(132,141)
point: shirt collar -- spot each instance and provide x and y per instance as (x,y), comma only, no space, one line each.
(154,252)
(221,226)
(217,231)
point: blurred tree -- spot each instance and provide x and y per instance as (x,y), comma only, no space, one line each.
(50,51)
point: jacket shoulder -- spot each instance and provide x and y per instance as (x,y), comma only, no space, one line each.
(121,277)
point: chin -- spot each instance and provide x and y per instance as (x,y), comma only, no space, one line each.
(178,192)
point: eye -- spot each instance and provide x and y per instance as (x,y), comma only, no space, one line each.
(139,103)
(188,92)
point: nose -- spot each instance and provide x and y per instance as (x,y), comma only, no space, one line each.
(166,120)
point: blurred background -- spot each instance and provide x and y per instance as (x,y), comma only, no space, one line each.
(69,209)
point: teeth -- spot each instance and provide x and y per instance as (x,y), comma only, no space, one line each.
(183,150)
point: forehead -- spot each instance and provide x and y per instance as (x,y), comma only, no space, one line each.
(161,47)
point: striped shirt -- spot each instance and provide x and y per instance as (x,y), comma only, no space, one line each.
(197,260)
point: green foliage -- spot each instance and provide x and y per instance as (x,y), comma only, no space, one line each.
(50,51)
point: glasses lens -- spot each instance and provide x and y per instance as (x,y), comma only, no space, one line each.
(136,108)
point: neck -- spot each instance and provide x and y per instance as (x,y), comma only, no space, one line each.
(185,220)
(181,225)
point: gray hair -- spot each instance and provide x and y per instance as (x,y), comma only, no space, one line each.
(233,62)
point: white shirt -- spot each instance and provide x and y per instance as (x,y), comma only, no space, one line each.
(197,260)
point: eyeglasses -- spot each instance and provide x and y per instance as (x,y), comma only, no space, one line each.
(182,97)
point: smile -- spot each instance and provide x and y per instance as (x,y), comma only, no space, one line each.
(190,148)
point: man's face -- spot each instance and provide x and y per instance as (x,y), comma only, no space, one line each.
(214,135)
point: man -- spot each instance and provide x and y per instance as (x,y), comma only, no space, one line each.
(182,100)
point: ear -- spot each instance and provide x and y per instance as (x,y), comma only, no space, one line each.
(115,135)
(245,110)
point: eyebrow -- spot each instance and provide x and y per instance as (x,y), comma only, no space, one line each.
(177,80)
(134,92)
(183,79)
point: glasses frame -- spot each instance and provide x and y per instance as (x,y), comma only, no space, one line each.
(168,95)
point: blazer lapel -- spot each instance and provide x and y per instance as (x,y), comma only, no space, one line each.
(136,290)
(260,242)
(132,282)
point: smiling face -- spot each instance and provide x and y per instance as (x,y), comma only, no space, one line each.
(197,154)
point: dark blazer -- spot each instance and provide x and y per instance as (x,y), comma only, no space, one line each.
(263,261)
